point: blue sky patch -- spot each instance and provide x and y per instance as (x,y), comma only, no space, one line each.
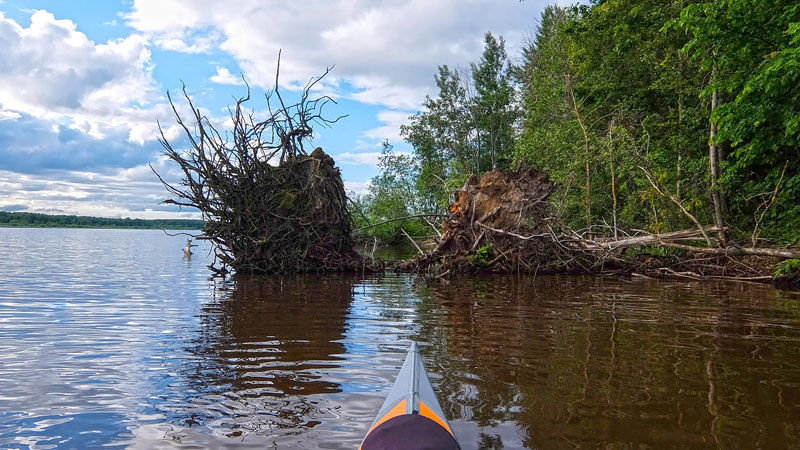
(83,83)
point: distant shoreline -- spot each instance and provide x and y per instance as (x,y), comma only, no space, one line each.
(90,227)
(36,220)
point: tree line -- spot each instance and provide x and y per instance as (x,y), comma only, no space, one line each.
(36,220)
(654,115)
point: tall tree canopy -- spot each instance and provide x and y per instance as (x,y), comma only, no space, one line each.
(648,114)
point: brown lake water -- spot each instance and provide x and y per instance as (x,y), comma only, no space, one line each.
(110,338)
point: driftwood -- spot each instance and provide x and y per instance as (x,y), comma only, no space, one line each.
(187,250)
(733,250)
(412,241)
(671,240)
(679,204)
(653,239)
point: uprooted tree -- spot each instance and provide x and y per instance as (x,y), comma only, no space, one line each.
(269,206)
(501,222)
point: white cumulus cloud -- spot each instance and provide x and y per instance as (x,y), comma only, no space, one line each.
(9,115)
(133,192)
(356,188)
(362,158)
(390,130)
(224,76)
(53,72)
(387,50)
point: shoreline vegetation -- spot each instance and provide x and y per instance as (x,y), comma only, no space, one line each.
(37,220)
(671,136)
(628,138)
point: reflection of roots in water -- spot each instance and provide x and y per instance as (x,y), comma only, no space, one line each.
(260,361)
(593,361)
(543,363)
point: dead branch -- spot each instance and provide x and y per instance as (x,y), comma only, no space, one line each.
(412,241)
(576,111)
(432,225)
(768,204)
(654,239)
(509,233)
(736,251)
(677,202)
(397,219)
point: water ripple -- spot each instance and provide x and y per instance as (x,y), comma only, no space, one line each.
(110,338)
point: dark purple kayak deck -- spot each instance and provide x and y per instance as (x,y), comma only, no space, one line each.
(409,432)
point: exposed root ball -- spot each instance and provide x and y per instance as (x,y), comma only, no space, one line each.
(499,200)
(294,220)
(264,218)
(500,223)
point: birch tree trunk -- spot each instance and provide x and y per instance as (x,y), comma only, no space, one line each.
(588,200)
(714,159)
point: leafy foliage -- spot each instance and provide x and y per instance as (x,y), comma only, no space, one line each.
(482,256)
(468,128)
(754,46)
(616,96)
(788,269)
(392,195)
(642,74)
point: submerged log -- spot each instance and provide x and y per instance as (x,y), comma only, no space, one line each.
(187,250)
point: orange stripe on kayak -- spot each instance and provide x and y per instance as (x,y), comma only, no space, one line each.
(424,411)
(398,410)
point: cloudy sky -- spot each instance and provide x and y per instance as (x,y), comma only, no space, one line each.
(83,82)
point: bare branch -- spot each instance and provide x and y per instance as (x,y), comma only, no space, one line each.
(397,219)
(262,217)
(678,203)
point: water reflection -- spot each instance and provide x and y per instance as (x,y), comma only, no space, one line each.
(300,360)
(125,344)
(262,357)
(582,363)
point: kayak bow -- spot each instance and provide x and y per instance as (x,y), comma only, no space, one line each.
(411,417)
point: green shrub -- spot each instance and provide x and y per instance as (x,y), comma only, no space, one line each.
(788,270)
(482,256)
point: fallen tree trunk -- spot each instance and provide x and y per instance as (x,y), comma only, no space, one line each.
(737,251)
(670,240)
(692,234)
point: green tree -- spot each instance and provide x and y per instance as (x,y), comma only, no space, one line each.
(494,108)
(606,91)
(753,49)
(556,136)
(467,128)
(632,107)
(392,197)
(443,139)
